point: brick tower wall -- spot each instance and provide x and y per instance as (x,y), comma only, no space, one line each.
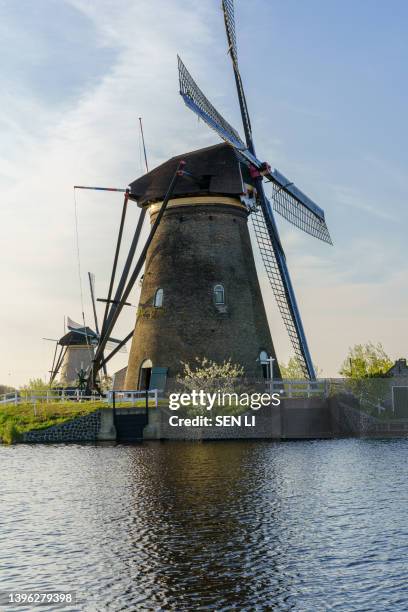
(198,244)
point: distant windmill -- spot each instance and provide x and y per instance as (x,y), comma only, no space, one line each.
(72,363)
(288,200)
(76,351)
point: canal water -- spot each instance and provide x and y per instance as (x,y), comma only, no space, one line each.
(306,525)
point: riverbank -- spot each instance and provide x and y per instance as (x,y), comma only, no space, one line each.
(295,418)
(16,420)
(28,421)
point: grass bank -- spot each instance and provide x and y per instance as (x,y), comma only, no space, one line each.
(15,419)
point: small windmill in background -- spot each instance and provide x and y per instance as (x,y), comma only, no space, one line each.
(74,351)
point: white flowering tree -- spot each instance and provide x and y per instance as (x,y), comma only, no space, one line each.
(211,376)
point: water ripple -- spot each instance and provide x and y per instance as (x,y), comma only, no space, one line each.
(305,526)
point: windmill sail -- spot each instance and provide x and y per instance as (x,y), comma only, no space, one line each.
(289,201)
(276,270)
(199,104)
(229,19)
(112,344)
(72,325)
(297,208)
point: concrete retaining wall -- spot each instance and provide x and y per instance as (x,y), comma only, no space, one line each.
(296,418)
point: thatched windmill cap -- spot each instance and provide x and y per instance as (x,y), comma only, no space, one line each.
(216,170)
(74,338)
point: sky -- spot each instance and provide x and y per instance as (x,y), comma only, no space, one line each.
(327,87)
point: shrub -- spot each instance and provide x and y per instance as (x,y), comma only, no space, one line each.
(10,433)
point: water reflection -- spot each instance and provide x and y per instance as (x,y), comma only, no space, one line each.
(217,525)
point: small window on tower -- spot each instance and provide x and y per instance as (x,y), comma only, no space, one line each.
(219,295)
(158,298)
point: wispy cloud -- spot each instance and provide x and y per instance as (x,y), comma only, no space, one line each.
(70,116)
(351,198)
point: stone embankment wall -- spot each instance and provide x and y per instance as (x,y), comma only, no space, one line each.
(349,420)
(89,428)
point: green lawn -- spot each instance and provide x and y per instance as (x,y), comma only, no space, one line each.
(17,419)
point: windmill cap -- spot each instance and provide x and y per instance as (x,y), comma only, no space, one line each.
(75,338)
(212,170)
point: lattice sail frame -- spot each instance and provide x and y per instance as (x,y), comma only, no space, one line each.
(289,201)
(229,18)
(198,103)
(297,208)
(274,274)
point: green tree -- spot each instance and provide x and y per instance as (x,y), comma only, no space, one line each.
(366,361)
(106,383)
(293,370)
(35,386)
(6,389)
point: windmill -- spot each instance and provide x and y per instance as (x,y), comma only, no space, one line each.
(76,351)
(73,360)
(288,200)
(200,293)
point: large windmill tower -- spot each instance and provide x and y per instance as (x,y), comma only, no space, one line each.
(200,294)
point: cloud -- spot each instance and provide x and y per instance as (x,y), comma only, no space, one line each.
(91,139)
(348,196)
(87,133)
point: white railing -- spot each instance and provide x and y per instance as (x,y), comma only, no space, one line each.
(134,396)
(60,395)
(9,398)
(54,395)
(299,388)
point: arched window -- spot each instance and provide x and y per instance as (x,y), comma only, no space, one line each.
(219,295)
(263,357)
(158,298)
